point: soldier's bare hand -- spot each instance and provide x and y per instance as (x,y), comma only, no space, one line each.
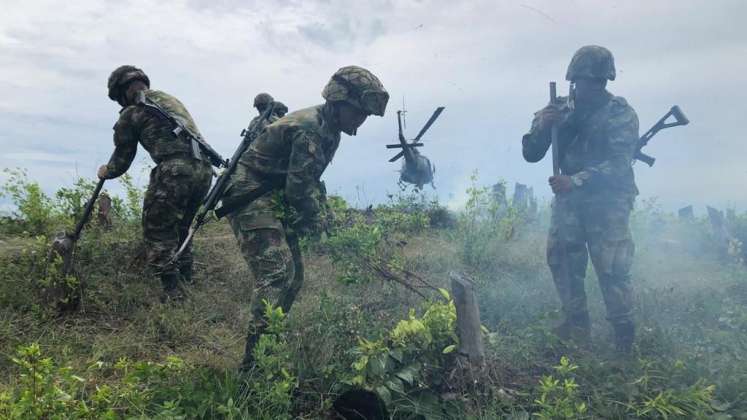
(561,184)
(548,116)
(103,170)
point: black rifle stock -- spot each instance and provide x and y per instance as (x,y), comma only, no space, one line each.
(679,119)
(216,192)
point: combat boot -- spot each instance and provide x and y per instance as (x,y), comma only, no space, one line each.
(624,336)
(575,328)
(173,291)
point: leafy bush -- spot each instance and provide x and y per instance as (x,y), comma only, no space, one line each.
(406,366)
(35,210)
(559,397)
(38,214)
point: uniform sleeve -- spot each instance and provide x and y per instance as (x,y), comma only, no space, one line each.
(302,185)
(536,142)
(622,141)
(126,137)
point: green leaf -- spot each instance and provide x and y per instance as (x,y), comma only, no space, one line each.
(377,365)
(384,394)
(444,293)
(449,349)
(409,374)
(396,354)
(395,385)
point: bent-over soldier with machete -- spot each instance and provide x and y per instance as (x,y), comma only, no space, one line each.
(275,195)
(182,175)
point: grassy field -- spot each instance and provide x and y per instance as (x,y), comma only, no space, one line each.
(122,354)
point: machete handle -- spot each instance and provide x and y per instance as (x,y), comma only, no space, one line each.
(89,208)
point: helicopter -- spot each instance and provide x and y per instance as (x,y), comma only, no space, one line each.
(416,168)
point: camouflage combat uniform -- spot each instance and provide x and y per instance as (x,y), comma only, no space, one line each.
(291,154)
(596,147)
(177,185)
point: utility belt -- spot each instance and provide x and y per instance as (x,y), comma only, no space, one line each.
(185,159)
(178,155)
(232,203)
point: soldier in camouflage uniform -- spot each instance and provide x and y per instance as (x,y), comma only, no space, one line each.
(597,136)
(261,102)
(291,155)
(179,181)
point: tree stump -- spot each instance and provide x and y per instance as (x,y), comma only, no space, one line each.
(468,319)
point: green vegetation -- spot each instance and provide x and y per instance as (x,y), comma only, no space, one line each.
(374,314)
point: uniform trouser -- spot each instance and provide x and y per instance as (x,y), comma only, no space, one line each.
(274,258)
(580,229)
(176,189)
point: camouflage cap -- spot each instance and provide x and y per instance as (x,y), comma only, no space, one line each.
(262,99)
(358,87)
(123,75)
(591,61)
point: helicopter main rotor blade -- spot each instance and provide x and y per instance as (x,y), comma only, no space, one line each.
(430,122)
(399,146)
(397,156)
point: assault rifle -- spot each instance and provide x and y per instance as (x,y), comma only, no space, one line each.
(198,144)
(679,119)
(216,192)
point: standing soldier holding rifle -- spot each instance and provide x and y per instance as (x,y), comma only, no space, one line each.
(275,194)
(180,179)
(596,136)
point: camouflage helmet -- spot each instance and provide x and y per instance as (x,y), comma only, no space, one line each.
(591,61)
(262,99)
(123,75)
(358,87)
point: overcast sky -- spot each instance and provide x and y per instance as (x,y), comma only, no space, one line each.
(487,62)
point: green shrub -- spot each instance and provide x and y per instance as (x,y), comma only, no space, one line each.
(34,209)
(406,366)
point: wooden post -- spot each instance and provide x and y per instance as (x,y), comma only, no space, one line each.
(104,215)
(468,319)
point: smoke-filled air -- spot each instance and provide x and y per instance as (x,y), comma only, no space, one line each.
(405,210)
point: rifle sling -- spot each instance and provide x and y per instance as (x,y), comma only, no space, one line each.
(232,203)
(197,143)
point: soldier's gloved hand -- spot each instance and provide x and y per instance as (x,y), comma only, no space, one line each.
(548,116)
(561,184)
(103,170)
